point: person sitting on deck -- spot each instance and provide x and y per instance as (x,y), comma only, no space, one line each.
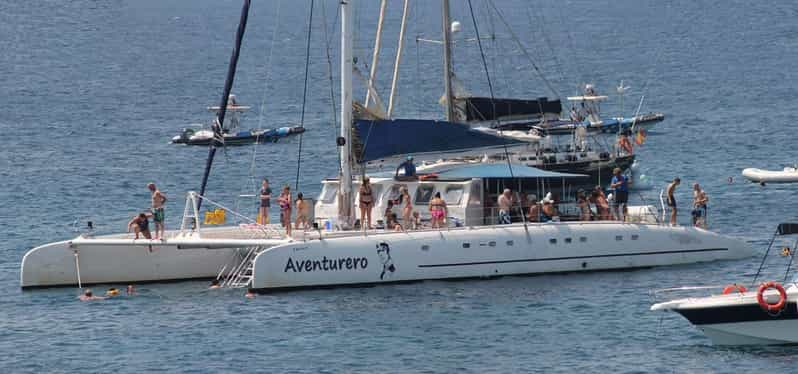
(409,167)
(624,144)
(392,222)
(549,211)
(505,202)
(140,224)
(602,205)
(388,212)
(416,223)
(534,209)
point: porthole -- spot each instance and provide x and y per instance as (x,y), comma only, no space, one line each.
(509,242)
(491,244)
(425,247)
(619,237)
(583,239)
(466,245)
(553,241)
(635,237)
(568,240)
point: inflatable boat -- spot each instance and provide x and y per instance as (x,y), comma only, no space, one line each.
(788,175)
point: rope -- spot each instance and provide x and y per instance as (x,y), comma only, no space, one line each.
(329,70)
(492,98)
(304,95)
(520,45)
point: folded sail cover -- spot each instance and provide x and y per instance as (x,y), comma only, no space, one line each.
(378,139)
(486,109)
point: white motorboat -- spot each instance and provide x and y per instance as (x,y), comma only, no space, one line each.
(263,259)
(766,315)
(787,175)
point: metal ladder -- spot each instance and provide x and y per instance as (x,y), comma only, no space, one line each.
(240,275)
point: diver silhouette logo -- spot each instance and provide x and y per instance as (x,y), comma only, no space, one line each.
(384,252)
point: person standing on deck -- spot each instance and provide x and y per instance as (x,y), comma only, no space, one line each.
(672,200)
(366,203)
(624,144)
(620,185)
(158,216)
(265,201)
(285,209)
(505,203)
(700,200)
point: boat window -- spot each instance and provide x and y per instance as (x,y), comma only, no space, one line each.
(466,245)
(328,193)
(424,194)
(619,237)
(635,236)
(425,247)
(491,244)
(509,242)
(568,240)
(475,195)
(553,241)
(583,239)
(453,195)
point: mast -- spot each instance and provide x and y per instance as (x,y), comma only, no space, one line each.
(398,59)
(218,123)
(376,54)
(345,197)
(447,62)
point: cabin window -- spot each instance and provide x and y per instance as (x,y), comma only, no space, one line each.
(568,240)
(328,193)
(553,241)
(583,239)
(425,247)
(509,243)
(475,195)
(619,237)
(453,195)
(635,236)
(466,245)
(491,244)
(424,194)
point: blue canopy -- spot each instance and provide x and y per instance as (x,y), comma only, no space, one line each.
(378,139)
(501,170)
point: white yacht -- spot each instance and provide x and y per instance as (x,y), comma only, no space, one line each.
(767,314)
(262,258)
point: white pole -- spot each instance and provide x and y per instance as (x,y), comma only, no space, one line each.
(376,54)
(398,59)
(77,268)
(345,201)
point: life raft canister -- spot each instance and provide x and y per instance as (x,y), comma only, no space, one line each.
(772,308)
(730,288)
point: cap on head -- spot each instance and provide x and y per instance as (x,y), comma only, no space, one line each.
(409,158)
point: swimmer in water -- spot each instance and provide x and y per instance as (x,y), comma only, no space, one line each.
(89,296)
(215,284)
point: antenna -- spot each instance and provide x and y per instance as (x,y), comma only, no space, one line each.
(621,89)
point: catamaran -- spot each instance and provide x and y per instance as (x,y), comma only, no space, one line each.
(262,258)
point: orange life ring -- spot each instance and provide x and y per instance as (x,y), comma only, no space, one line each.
(772,308)
(728,289)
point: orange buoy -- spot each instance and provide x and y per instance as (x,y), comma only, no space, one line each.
(728,289)
(771,308)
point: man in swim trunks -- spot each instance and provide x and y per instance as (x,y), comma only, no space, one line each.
(158,202)
(505,202)
(621,188)
(265,201)
(671,199)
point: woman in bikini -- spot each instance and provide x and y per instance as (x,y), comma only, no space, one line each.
(584,206)
(437,210)
(366,203)
(285,208)
(407,209)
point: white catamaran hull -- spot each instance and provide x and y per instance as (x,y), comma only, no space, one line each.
(788,175)
(485,252)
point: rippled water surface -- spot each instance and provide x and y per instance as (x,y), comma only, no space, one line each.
(92,90)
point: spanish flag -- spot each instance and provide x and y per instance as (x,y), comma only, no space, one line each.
(640,138)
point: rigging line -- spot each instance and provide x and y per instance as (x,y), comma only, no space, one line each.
(492,98)
(526,53)
(304,95)
(329,69)
(265,87)
(546,40)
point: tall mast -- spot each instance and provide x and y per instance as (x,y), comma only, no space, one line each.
(398,59)
(447,62)
(376,54)
(218,123)
(345,197)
